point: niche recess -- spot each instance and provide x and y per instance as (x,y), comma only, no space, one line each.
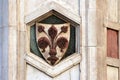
(55,14)
(54,17)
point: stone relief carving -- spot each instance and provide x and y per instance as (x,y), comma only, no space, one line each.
(53,40)
(62,36)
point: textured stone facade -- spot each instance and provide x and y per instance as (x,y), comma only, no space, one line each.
(91,19)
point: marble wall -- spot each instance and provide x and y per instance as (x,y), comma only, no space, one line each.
(13,36)
(32,5)
(0,35)
(4,39)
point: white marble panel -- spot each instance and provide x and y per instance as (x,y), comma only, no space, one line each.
(5,53)
(0,52)
(64,76)
(12,52)
(71,74)
(0,13)
(112,9)
(32,5)
(1,35)
(75,73)
(34,74)
(0,22)
(21,53)
(22,26)
(53,71)
(4,39)
(12,12)
(73,4)
(23,43)
(92,28)
(5,13)
(92,4)
(112,73)
(83,29)
(92,63)
(83,64)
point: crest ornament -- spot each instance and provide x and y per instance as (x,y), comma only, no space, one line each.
(53,41)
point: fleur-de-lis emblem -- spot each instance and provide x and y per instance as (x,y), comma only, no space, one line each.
(53,41)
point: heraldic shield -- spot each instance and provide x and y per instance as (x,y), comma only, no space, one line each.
(53,40)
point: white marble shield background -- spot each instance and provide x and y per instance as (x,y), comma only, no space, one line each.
(47,49)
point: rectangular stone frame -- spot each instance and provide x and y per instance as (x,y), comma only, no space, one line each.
(112,61)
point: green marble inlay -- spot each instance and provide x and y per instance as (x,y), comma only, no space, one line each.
(52,20)
(33,44)
(71,47)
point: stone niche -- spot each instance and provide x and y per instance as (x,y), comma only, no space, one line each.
(37,66)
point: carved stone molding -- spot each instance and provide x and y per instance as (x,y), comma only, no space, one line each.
(53,71)
(43,9)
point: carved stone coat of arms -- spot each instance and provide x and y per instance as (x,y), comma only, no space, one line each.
(53,41)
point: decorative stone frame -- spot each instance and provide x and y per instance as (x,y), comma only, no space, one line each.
(64,14)
(112,61)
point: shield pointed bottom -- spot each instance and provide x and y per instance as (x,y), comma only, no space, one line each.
(52,41)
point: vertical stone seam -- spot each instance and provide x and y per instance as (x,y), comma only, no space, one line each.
(86,49)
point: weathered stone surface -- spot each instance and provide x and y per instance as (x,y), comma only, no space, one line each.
(32,5)
(112,10)
(14,41)
(112,73)
(34,74)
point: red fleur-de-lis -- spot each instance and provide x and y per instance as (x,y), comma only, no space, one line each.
(62,43)
(40,28)
(64,29)
(52,32)
(52,41)
(43,42)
